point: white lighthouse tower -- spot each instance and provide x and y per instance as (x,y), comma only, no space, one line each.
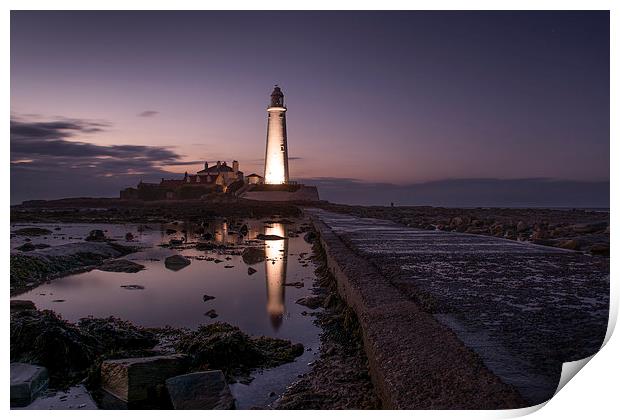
(276,154)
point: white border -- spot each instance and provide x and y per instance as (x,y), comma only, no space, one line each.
(593,394)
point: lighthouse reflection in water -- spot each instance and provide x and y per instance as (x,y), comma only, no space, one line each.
(275,273)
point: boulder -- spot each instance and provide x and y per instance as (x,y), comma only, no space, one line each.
(573,244)
(26,247)
(251,271)
(311,302)
(253,255)
(129,236)
(22,305)
(27,383)
(31,231)
(176,262)
(96,235)
(121,266)
(200,391)
(600,249)
(140,379)
(310,237)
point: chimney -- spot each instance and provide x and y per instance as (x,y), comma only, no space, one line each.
(235,166)
(206,165)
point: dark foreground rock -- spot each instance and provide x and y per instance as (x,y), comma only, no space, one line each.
(70,351)
(27,382)
(200,391)
(31,231)
(137,380)
(176,262)
(225,347)
(29,270)
(121,266)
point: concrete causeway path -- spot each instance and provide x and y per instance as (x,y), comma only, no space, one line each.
(455,320)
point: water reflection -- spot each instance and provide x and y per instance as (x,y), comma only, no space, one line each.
(275,273)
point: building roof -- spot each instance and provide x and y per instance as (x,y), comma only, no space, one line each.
(214,168)
(254,175)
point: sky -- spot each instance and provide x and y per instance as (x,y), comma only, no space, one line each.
(509,108)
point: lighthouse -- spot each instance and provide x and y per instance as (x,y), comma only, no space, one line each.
(276,154)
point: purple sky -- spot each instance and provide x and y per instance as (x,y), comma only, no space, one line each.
(374,97)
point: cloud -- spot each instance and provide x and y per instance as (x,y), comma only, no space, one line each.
(51,159)
(148,113)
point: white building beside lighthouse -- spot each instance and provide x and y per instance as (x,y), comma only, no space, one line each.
(276,153)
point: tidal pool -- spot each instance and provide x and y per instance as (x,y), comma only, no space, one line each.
(260,303)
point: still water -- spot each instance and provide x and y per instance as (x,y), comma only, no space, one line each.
(260,303)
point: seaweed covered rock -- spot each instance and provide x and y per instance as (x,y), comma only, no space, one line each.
(226,347)
(43,338)
(40,265)
(115,334)
(70,351)
(96,235)
(31,231)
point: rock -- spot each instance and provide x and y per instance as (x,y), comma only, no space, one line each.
(573,244)
(140,379)
(175,242)
(22,305)
(229,266)
(132,287)
(269,237)
(27,382)
(31,231)
(96,235)
(251,271)
(211,313)
(589,227)
(205,246)
(170,231)
(311,302)
(253,255)
(129,236)
(115,334)
(176,262)
(522,226)
(121,266)
(200,391)
(297,284)
(74,398)
(600,249)
(26,247)
(310,237)
(223,346)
